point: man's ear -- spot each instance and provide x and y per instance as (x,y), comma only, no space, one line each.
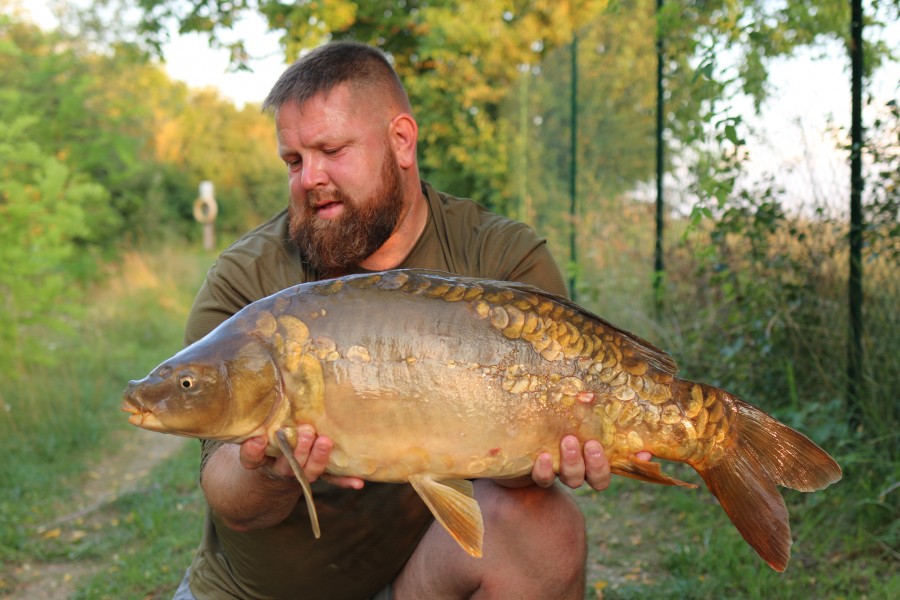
(403,134)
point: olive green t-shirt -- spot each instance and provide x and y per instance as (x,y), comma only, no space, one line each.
(368,534)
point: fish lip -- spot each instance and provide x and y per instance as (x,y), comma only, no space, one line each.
(141,416)
(131,406)
(136,409)
(136,412)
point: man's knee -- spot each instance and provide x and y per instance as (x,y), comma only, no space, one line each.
(542,532)
(548,518)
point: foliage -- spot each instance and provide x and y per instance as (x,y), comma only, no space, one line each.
(98,148)
(46,216)
(146,139)
(464,61)
(757,296)
(883,181)
(675,543)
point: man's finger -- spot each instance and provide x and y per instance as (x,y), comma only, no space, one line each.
(354,483)
(253,453)
(596,465)
(306,437)
(542,472)
(572,465)
(317,458)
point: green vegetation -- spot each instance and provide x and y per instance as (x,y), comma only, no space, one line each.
(58,422)
(101,154)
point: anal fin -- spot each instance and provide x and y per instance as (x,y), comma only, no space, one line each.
(453,504)
(644,470)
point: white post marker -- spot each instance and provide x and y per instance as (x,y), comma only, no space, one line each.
(205,211)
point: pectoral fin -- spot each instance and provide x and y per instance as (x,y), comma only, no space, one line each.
(644,470)
(301,477)
(452,502)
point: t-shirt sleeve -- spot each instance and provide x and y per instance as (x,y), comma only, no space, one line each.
(233,282)
(537,267)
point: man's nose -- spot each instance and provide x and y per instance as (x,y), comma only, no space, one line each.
(313,174)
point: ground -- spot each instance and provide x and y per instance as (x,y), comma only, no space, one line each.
(113,476)
(622,549)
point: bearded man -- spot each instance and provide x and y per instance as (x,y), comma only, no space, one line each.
(347,135)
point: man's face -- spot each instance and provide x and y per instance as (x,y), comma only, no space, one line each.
(346,194)
(361,226)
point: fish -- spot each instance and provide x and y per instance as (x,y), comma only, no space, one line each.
(436,380)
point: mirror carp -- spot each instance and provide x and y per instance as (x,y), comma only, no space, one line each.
(433,379)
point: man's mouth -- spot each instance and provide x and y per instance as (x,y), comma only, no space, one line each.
(329,210)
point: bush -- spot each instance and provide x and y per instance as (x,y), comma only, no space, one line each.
(46,214)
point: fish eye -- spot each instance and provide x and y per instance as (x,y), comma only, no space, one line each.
(186,382)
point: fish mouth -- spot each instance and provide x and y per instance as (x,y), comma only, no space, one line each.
(140,416)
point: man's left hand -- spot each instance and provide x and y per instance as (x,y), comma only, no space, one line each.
(577,465)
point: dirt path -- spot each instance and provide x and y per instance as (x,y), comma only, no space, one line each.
(115,475)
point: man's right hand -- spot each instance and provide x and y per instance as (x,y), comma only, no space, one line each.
(312,453)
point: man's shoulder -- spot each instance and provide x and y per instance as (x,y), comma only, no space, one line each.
(264,258)
(257,265)
(469,217)
(477,242)
(264,240)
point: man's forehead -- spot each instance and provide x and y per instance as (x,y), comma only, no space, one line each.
(334,104)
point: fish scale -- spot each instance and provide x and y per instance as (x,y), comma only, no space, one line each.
(434,379)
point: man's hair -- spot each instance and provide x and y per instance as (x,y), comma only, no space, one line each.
(363,67)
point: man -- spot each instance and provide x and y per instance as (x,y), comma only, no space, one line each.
(347,135)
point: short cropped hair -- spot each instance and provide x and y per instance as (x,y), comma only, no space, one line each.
(364,67)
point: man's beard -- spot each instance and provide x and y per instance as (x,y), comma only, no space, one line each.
(340,244)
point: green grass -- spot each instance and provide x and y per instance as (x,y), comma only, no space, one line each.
(666,543)
(151,534)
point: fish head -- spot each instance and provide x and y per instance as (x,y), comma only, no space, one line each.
(224,387)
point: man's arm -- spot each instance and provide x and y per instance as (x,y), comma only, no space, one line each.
(249,490)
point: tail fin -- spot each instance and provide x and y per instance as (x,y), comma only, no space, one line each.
(764,452)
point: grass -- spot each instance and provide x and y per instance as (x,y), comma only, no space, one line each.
(150,535)
(673,544)
(61,420)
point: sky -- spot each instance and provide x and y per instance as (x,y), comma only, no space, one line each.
(793,138)
(190,59)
